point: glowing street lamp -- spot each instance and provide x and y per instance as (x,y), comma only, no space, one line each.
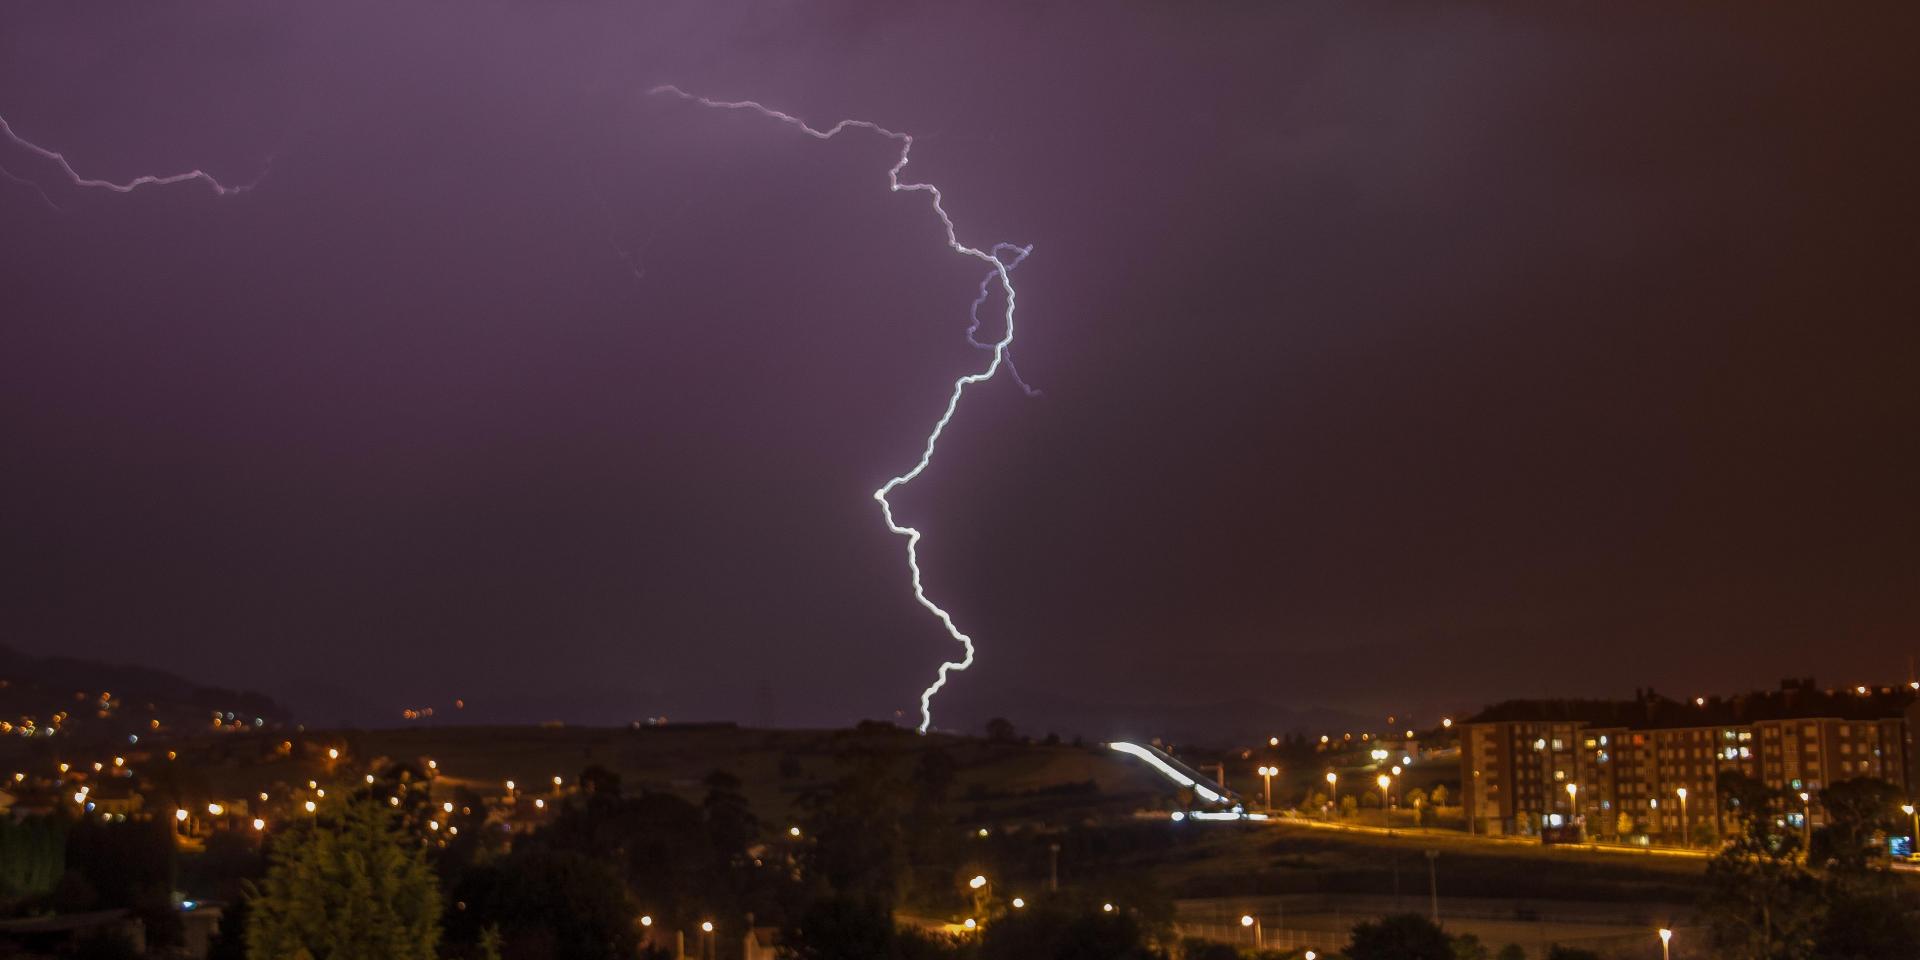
(1686,828)
(1806,819)
(1259,938)
(1573,807)
(1333,793)
(1911,811)
(1666,941)
(1268,773)
(1384,781)
(1019,903)
(977,882)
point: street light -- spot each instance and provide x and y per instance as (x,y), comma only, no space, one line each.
(1686,828)
(1573,807)
(1806,818)
(1909,810)
(1333,793)
(1259,937)
(1384,781)
(1267,774)
(1666,940)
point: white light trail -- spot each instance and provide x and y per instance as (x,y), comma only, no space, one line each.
(1167,770)
(129,186)
(999,270)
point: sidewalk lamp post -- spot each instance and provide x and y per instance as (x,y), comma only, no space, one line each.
(1384,781)
(1686,828)
(1909,810)
(1267,774)
(1333,793)
(1806,819)
(1259,938)
(1666,944)
(1573,802)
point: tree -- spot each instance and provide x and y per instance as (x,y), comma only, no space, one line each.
(1867,915)
(1406,936)
(1761,903)
(731,825)
(33,855)
(1439,795)
(1558,952)
(1047,932)
(543,903)
(350,886)
(1511,951)
(1859,811)
(1000,730)
(859,846)
(833,928)
(1468,947)
(1349,807)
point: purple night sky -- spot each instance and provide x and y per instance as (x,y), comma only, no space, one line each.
(1393,357)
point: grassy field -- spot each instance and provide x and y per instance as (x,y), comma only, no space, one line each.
(1216,860)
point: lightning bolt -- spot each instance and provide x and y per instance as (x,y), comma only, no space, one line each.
(973,312)
(129,186)
(999,270)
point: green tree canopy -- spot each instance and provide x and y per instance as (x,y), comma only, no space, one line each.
(350,886)
(1406,936)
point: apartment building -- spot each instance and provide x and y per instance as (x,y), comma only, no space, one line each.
(1650,766)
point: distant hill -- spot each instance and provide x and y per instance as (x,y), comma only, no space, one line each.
(1216,724)
(87,700)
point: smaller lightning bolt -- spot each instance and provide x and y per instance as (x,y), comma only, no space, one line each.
(29,184)
(1000,270)
(129,186)
(986,290)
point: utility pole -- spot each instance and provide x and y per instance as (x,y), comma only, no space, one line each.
(1433,887)
(1053,868)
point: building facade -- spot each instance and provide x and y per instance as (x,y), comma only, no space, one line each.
(1650,766)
